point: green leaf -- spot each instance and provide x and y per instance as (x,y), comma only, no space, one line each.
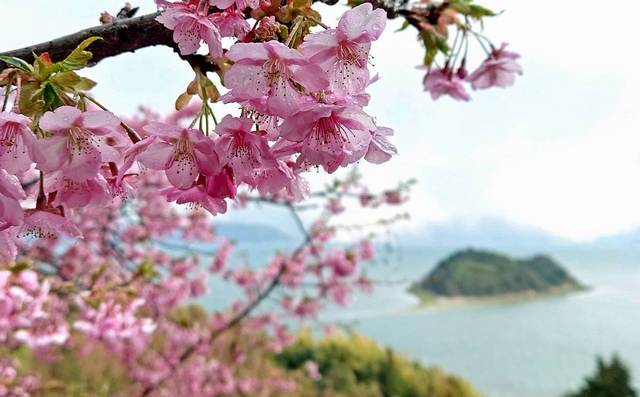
(18,267)
(50,97)
(466,7)
(31,101)
(70,81)
(442,45)
(479,12)
(405,25)
(78,58)
(430,55)
(85,84)
(17,62)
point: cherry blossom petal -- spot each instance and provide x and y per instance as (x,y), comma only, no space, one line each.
(61,119)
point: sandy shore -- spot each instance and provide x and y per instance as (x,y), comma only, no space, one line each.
(435,301)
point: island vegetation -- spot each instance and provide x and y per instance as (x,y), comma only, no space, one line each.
(473,274)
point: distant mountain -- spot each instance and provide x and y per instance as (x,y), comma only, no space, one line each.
(479,273)
(251,232)
(495,233)
(628,240)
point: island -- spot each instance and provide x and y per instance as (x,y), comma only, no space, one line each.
(475,275)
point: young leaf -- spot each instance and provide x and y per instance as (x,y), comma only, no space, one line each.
(405,25)
(78,58)
(17,62)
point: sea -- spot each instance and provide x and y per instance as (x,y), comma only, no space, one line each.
(542,347)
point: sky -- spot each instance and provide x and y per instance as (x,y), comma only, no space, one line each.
(559,151)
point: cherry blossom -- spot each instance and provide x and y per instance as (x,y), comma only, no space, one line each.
(16,142)
(48,224)
(197,196)
(181,152)
(76,146)
(241,149)
(344,52)
(498,70)
(231,23)
(76,194)
(380,149)
(116,325)
(11,213)
(443,82)
(274,70)
(191,26)
(331,136)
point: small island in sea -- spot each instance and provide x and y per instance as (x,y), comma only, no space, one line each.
(477,275)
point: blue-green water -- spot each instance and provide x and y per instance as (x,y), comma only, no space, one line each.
(537,348)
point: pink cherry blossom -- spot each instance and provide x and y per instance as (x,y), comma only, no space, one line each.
(272,69)
(335,206)
(43,332)
(380,149)
(341,262)
(116,325)
(196,196)
(16,142)
(191,26)
(367,250)
(331,136)
(283,181)
(344,52)
(76,194)
(241,5)
(442,82)
(313,371)
(11,193)
(77,145)
(231,23)
(47,224)
(221,258)
(181,152)
(242,149)
(498,70)
(8,248)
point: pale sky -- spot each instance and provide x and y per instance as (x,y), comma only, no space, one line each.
(559,151)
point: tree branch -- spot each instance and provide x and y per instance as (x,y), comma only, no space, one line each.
(129,35)
(119,37)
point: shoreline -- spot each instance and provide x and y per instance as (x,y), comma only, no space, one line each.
(428,300)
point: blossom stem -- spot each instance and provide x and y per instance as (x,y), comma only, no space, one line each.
(479,38)
(16,102)
(135,138)
(317,21)
(294,31)
(7,91)
(41,199)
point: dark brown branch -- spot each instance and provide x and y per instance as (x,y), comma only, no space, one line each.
(119,37)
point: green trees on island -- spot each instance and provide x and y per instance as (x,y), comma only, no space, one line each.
(478,273)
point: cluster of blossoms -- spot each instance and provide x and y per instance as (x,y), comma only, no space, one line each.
(446,60)
(93,249)
(301,108)
(142,260)
(498,70)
